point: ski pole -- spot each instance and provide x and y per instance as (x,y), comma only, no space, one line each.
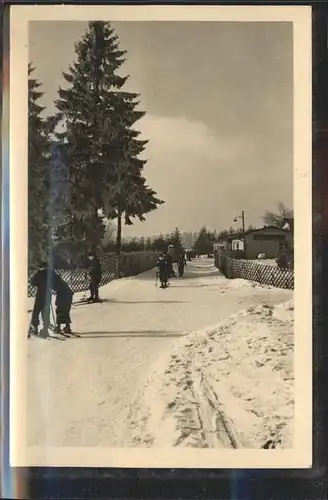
(52,324)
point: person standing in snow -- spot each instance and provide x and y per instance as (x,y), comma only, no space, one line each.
(163,268)
(181,264)
(46,280)
(41,281)
(95,277)
(64,299)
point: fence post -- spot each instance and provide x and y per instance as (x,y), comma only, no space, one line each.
(233,268)
(230,268)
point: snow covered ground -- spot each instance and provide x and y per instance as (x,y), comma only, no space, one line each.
(228,386)
(151,369)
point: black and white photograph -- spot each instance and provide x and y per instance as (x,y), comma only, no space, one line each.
(166,290)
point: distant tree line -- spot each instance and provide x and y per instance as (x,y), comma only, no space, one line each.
(156,244)
(91,171)
(204,241)
(160,243)
(203,244)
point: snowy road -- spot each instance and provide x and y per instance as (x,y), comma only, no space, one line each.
(81,391)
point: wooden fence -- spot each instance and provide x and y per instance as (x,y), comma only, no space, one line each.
(113,267)
(252,271)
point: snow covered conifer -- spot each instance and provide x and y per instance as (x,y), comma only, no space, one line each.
(102,146)
(175,239)
(203,243)
(39,147)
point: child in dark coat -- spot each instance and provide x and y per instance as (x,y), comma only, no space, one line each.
(64,299)
(163,268)
(181,264)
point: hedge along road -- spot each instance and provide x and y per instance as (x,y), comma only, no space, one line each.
(81,391)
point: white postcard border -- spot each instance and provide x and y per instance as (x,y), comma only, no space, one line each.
(301,455)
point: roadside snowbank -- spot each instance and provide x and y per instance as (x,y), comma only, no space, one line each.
(229,386)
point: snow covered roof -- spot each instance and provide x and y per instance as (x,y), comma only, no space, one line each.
(265,228)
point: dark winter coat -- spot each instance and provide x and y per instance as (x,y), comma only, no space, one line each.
(40,280)
(64,298)
(63,292)
(181,264)
(47,281)
(43,286)
(163,268)
(182,260)
(95,270)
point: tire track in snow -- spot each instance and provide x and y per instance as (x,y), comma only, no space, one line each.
(208,424)
(202,406)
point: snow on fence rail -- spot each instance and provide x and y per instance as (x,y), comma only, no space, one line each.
(252,271)
(113,267)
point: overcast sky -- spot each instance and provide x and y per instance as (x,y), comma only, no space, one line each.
(219,103)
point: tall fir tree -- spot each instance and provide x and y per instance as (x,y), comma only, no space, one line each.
(103,148)
(39,174)
(160,244)
(128,194)
(175,239)
(223,235)
(203,243)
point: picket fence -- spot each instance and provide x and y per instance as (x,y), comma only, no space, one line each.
(113,267)
(249,270)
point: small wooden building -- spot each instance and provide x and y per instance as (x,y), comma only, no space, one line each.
(270,240)
(237,244)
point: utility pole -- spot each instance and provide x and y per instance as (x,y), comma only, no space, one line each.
(242,217)
(243,223)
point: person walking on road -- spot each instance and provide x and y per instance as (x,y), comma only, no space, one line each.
(163,269)
(95,277)
(181,264)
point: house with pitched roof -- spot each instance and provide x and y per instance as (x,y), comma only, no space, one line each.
(270,240)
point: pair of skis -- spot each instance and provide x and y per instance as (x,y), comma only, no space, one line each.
(157,278)
(55,335)
(89,301)
(51,324)
(62,336)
